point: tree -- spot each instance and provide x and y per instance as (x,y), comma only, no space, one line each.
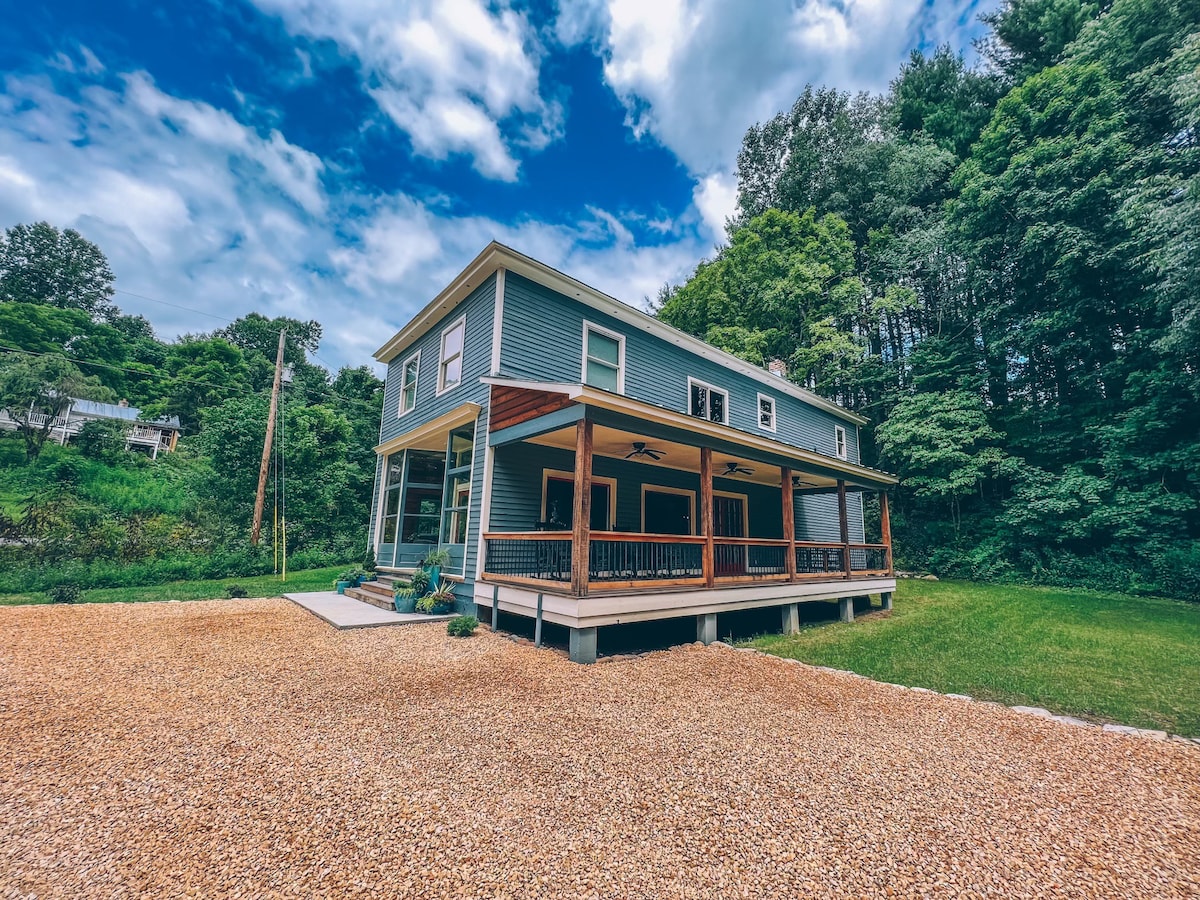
(200,374)
(938,96)
(34,391)
(1030,35)
(40,264)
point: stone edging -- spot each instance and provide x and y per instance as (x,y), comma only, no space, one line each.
(1127,730)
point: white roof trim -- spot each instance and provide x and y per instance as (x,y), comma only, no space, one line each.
(495,255)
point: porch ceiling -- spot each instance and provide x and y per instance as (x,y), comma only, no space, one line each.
(617,443)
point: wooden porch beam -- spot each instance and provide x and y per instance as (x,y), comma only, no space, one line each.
(581,515)
(706,516)
(789,522)
(844,525)
(885,525)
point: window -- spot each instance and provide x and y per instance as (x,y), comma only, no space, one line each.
(459,453)
(408,383)
(603,358)
(558,501)
(708,402)
(766,412)
(451,366)
(839,438)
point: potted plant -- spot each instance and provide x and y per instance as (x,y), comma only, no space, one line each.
(433,563)
(345,580)
(438,602)
(419,582)
(406,600)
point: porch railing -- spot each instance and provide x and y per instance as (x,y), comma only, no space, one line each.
(625,560)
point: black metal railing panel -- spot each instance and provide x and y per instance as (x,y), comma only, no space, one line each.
(733,560)
(617,560)
(548,559)
(868,559)
(816,560)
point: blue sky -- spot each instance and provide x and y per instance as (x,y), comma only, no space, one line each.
(343,159)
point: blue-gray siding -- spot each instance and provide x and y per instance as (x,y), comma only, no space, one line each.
(543,339)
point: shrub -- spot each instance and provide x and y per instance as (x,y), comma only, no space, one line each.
(236,592)
(101,439)
(369,560)
(462,626)
(65,593)
(419,581)
(437,558)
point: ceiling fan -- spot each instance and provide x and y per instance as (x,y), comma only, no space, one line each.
(640,449)
(798,482)
(733,467)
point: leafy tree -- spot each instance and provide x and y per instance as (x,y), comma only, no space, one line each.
(34,391)
(200,374)
(1030,35)
(40,264)
(939,97)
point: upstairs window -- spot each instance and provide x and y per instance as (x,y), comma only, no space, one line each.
(603,358)
(839,439)
(451,366)
(408,383)
(708,402)
(766,412)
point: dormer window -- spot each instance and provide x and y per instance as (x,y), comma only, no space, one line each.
(451,365)
(708,402)
(603,358)
(839,439)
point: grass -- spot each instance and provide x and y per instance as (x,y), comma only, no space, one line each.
(1101,656)
(257,586)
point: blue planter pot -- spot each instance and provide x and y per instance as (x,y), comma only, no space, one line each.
(406,604)
(442,609)
(342,585)
(435,573)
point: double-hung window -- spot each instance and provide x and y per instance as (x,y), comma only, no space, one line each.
(408,383)
(708,402)
(450,366)
(766,412)
(839,439)
(603,358)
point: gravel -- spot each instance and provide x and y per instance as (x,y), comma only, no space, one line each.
(245,748)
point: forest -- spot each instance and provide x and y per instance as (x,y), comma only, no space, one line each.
(998,266)
(94,514)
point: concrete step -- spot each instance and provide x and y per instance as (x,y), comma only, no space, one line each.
(382,601)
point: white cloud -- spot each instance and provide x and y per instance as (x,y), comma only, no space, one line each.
(457,76)
(695,74)
(196,209)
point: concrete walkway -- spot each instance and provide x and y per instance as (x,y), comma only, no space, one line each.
(345,612)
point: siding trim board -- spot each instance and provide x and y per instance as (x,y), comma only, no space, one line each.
(496,256)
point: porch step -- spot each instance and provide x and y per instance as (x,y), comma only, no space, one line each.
(380,598)
(377,587)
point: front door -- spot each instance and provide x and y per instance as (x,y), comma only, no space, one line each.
(560,504)
(729,520)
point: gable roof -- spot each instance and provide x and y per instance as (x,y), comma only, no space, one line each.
(497,256)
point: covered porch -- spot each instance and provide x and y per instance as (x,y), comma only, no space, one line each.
(606,510)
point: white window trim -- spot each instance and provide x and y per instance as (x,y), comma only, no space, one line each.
(839,437)
(616,336)
(773,427)
(461,321)
(401,411)
(663,489)
(710,388)
(562,475)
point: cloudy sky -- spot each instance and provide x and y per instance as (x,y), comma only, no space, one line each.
(343,159)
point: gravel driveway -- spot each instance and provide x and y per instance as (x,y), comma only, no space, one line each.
(211,748)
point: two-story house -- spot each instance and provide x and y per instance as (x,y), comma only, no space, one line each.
(585,463)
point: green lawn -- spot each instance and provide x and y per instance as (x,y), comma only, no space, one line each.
(258,586)
(1101,656)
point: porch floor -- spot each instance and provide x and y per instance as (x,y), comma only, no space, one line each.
(345,612)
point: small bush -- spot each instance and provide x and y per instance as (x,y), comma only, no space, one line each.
(462,626)
(419,581)
(236,592)
(65,593)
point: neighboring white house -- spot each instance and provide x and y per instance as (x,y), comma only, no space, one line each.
(157,436)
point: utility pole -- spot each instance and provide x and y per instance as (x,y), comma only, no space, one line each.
(256,528)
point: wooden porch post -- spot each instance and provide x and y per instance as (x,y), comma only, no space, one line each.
(885,526)
(706,515)
(844,524)
(581,515)
(789,522)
